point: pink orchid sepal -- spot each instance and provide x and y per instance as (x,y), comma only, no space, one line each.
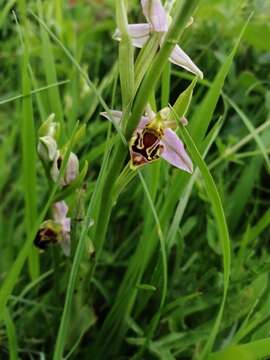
(60,210)
(154,138)
(158,21)
(71,171)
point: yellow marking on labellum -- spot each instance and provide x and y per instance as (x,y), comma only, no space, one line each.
(145,144)
(48,234)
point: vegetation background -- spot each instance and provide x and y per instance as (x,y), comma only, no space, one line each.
(114,309)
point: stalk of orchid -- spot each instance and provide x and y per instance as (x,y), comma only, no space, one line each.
(182,15)
(101,212)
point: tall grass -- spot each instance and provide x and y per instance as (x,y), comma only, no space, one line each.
(163,264)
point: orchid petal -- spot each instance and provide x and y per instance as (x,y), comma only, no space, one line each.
(71,171)
(115,114)
(72,168)
(155,14)
(65,244)
(47,148)
(143,122)
(117,117)
(139,34)
(180,58)
(60,211)
(174,151)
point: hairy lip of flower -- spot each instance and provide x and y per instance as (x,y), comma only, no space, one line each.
(154,138)
(145,145)
(56,230)
(45,237)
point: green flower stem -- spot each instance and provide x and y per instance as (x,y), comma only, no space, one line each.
(183,13)
(126,55)
(106,202)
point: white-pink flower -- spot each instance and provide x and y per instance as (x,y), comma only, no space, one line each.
(55,231)
(60,211)
(153,139)
(158,21)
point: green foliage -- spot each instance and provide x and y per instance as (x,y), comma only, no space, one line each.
(163,264)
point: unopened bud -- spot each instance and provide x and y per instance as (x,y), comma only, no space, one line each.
(71,171)
(49,127)
(47,148)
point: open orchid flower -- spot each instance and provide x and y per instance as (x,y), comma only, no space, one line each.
(154,138)
(158,21)
(56,231)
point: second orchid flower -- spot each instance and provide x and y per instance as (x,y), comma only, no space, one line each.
(158,21)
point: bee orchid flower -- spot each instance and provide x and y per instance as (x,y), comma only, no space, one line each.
(155,138)
(56,231)
(158,21)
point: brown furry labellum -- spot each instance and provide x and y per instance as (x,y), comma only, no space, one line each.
(48,234)
(145,146)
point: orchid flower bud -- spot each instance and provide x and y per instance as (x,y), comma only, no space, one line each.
(71,171)
(47,148)
(49,127)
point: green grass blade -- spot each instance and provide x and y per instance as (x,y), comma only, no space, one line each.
(250,351)
(13,274)
(165,86)
(126,55)
(251,129)
(261,225)
(32,92)
(80,250)
(161,239)
(183,202)
(204,113)
(232,150)
(51,73)
(81,71)
(154,323)
(221,227)
(11,334)
(5,11)
(29,157)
